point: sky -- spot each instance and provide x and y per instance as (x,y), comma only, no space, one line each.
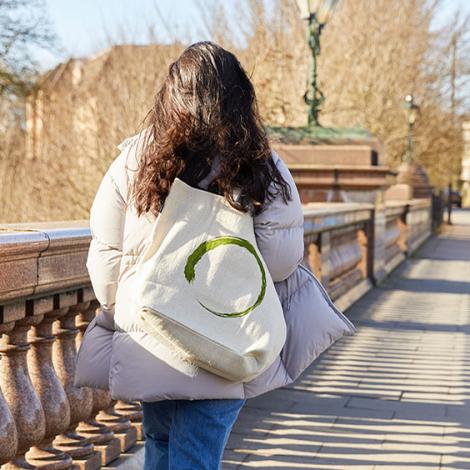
(84,26)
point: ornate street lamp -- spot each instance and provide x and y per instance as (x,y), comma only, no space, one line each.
(318,13)
(412,111)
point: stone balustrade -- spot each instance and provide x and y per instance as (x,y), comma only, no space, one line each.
(418,224)
(395,234)
(342,249)
(408,225)
(46,303)
(338,246)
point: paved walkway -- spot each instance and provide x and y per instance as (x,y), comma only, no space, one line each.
(394,396)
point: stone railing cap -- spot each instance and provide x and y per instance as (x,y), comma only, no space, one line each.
(42,257)
(326,208)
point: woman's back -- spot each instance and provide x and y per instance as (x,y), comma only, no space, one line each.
(205,129)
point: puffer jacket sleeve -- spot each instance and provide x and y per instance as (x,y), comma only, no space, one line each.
(107,216)
(279,230)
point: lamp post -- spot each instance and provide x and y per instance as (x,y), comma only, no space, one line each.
(317,13)
(412,111)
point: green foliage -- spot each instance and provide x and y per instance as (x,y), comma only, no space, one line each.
(317,134)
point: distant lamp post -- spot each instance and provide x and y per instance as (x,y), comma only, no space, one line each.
(412,111)
(318,13)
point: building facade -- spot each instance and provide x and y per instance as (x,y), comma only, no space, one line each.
(465,175)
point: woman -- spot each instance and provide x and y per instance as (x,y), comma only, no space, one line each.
(205,129)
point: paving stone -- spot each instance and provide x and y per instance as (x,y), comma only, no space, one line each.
(394,396)
(283,463)
(132,459)
(455,462)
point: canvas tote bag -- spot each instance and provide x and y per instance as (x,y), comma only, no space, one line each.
(203,288)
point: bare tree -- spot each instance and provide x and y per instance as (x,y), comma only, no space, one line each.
(370,60)
(23,26)
(455,46)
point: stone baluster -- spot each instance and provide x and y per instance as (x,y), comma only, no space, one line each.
(83,319)
(132,411)
(51,394)
(364,263)
(403,227)
(120,424)
(80,399)
(19,392)
(99,434)
(324,246)
(314,259)
(8,435)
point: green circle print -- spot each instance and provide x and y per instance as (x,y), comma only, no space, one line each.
(204,247)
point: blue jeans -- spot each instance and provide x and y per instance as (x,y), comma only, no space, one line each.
(187,434)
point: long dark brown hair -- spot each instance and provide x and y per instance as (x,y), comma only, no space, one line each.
(206,108)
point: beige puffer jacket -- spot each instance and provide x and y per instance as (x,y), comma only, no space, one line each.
(117,355)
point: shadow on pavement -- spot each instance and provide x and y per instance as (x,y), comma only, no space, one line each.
(394,396)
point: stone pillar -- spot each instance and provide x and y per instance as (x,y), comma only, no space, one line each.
(80,399)
(378,241)
(19,392)
(364,264)
(325,263)
(8,435)
(120,425)
(313,259)
(51,394)
(414,175)
(99,434)
(133,411)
